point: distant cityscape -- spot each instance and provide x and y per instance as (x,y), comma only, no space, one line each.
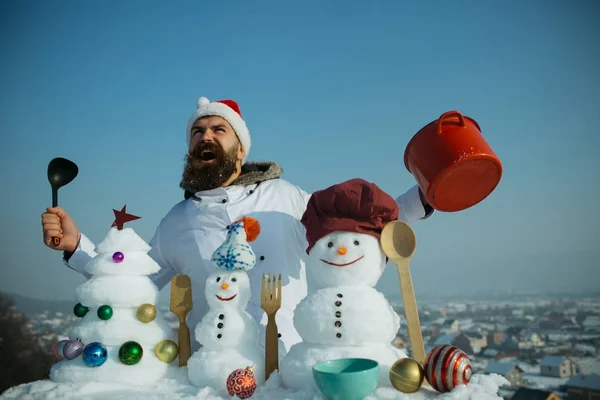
(546,346)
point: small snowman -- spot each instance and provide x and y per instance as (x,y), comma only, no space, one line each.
(228,334)
(346,316)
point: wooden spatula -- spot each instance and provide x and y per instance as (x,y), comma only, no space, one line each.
(181,305)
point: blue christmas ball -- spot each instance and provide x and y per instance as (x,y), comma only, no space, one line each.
(94,354)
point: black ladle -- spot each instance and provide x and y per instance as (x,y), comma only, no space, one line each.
(60,173)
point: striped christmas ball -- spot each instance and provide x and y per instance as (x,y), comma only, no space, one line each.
(447,367)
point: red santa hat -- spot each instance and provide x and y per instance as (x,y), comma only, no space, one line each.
(352,206)
(229,111)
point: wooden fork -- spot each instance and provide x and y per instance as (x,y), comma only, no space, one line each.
(270,301)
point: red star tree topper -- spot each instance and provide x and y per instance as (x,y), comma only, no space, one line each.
(121,217)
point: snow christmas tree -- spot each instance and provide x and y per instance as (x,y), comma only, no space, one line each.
(121,337)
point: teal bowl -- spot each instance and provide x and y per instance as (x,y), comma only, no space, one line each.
(346,378)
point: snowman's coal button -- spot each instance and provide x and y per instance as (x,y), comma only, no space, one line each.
(340,295)
(338,335)
(279,335)
(219,325)
(221,316)
(262,258)
(338,324)
(219,336)
(224,201)
(338,303)
(338,314)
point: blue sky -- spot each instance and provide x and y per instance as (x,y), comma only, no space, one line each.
(331,90)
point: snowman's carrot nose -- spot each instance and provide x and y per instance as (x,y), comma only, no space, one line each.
(224,286)
(341,250)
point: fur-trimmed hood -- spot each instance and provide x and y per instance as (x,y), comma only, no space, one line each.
(253,172)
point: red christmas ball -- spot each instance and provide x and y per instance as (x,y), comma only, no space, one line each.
(241,383)
(447,367)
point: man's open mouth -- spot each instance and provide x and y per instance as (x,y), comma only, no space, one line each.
(226,298)
(341,265)
(207,155)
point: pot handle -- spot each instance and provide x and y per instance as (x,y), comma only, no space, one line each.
(450,114)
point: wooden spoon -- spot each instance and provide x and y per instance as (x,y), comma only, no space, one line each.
(399,242)
(181,305)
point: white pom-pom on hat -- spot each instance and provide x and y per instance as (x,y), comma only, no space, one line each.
(229,111)
(202,101)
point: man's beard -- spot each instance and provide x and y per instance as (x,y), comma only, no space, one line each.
(199,176)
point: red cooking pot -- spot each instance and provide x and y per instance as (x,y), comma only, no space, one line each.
(452,163)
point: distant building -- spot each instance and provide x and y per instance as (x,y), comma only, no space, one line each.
(529,340)
(512,372)
(534,394)
(495,338)
(478,342)
(457,339)
(583,387)
(449,326)
(489,352)
(558,367)
(518,313)
(591,324)
(585,349)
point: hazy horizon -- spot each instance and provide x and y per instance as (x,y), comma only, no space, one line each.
(503,281)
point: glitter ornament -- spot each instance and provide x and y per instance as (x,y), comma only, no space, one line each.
(80,310)
(146,313)
(118,257)
(407,375)
(447,367)
(72,349)
(241,383)
(105,312)
(57,350)
(94,354)
(167,351)
(130,353)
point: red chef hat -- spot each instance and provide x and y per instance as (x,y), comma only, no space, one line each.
(352,206)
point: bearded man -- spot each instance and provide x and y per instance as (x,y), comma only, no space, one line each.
(221,187)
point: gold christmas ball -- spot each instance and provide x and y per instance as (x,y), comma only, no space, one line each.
(167,351)
(406,375)
(146,313)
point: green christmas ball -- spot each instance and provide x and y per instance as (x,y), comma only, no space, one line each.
(105,312)
(80,310)
(130,353)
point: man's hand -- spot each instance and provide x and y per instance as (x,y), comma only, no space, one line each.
(426,206)
(57,223)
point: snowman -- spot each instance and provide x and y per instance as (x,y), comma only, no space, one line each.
(228,334)
(346,316)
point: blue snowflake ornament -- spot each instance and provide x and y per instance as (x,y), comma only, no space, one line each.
(235,253)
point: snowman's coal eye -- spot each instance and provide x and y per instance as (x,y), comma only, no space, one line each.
(356,242)
(233,280)
(218,279)
(330,244)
